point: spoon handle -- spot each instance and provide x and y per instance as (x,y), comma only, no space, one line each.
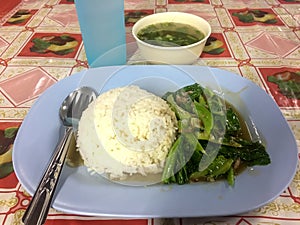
(37,211)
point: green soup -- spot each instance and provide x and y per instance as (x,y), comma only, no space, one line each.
(170,34)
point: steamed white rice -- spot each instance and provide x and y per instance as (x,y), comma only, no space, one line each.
(126,131)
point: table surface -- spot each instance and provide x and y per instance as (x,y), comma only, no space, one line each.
(255,49)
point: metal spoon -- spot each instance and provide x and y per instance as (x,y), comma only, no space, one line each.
(70,112)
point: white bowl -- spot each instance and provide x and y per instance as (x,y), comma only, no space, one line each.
(187,54)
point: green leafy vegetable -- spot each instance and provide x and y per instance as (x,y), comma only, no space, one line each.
(170,34)
(233,126)
(209,145)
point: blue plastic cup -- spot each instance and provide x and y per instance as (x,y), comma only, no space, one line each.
(103,31)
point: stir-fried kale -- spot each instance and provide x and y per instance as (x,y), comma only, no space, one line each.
(209,145)
(233,126)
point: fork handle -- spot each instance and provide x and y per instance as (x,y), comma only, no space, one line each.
(37,211)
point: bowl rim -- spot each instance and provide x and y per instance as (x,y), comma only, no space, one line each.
(174,47)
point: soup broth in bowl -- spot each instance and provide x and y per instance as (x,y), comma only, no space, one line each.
(170,34)
(171,37)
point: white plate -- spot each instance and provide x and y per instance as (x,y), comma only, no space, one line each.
(80,193)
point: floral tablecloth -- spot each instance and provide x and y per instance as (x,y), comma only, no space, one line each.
(258,39)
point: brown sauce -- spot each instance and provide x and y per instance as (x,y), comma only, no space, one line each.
(73,156)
